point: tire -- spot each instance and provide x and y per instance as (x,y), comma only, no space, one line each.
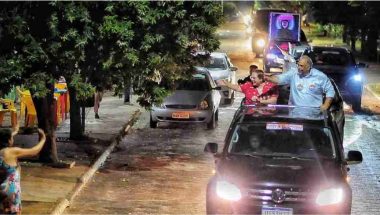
(357,104)
(217,115)
(212,123)
(153,124)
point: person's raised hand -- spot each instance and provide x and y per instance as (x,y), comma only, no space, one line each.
(41,133)
(221,82)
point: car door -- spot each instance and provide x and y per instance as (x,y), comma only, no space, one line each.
(336,109)
(232,72)
(215,94)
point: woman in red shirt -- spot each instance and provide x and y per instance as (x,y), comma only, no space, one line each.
(257,91)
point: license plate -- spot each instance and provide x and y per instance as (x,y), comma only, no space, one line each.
(276,211)
(180,115)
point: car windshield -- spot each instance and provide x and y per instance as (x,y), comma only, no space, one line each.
(282,139)
(199,82)
(216,63)
(334,58)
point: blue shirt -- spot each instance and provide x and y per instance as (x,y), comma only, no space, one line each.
(307,90)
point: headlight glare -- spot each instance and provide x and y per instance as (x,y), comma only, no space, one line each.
(260,42)
(228,191)
(271,56)
(330,196)
(357,77)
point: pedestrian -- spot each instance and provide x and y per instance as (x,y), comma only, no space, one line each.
(256,91)
(98,98)
(307,84)
(10,187)
(252,68)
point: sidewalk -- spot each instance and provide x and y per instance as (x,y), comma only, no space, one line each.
(43,187)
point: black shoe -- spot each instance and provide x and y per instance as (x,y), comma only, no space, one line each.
(96,116)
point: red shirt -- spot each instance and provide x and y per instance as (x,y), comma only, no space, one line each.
(250,91)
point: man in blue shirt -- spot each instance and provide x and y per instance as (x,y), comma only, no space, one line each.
(307,85)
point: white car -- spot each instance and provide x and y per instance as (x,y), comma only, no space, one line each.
(220,67)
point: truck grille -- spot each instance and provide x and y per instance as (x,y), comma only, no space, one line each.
(271,194)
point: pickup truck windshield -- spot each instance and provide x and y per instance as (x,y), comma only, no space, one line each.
(295,140)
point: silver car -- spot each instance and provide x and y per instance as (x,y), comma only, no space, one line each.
(194,101)
(220,68)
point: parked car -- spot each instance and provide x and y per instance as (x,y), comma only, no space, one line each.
(339,64)
(194,101)
(281,160)
(220,67)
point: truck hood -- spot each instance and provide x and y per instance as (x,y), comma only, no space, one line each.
(186,97)
(280,171)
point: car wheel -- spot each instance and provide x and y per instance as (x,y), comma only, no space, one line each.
(357,104)
(153,124)
(217,115)
(212,123)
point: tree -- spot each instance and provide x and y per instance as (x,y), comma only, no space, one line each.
(358,17)
(111,40)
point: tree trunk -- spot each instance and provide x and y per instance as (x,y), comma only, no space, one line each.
(76,130)
(127,90)
(363,40)
(372,43)
(45,108)
(344,36)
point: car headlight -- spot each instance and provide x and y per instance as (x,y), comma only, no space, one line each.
(161,106)
(357,77)
(203,105)
(271,56)
(330,196)
(260,42)
(228,191)
(248,30)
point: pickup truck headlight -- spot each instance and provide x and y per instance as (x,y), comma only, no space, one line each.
(228,191)
(271,56)
(330,196)
(357,77)
(260,43)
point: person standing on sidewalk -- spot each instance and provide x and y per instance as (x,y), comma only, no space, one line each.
(10,188)
(97,100)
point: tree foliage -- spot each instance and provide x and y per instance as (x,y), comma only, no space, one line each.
(100,44)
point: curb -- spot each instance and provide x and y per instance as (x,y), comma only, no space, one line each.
(373,93)
(63,203)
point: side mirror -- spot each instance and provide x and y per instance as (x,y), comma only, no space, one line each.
(234,68)
(217,88)
(211,148)
(354,157)
(363,65)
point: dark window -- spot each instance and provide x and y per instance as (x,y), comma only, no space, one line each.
(310,142)
(198,83)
